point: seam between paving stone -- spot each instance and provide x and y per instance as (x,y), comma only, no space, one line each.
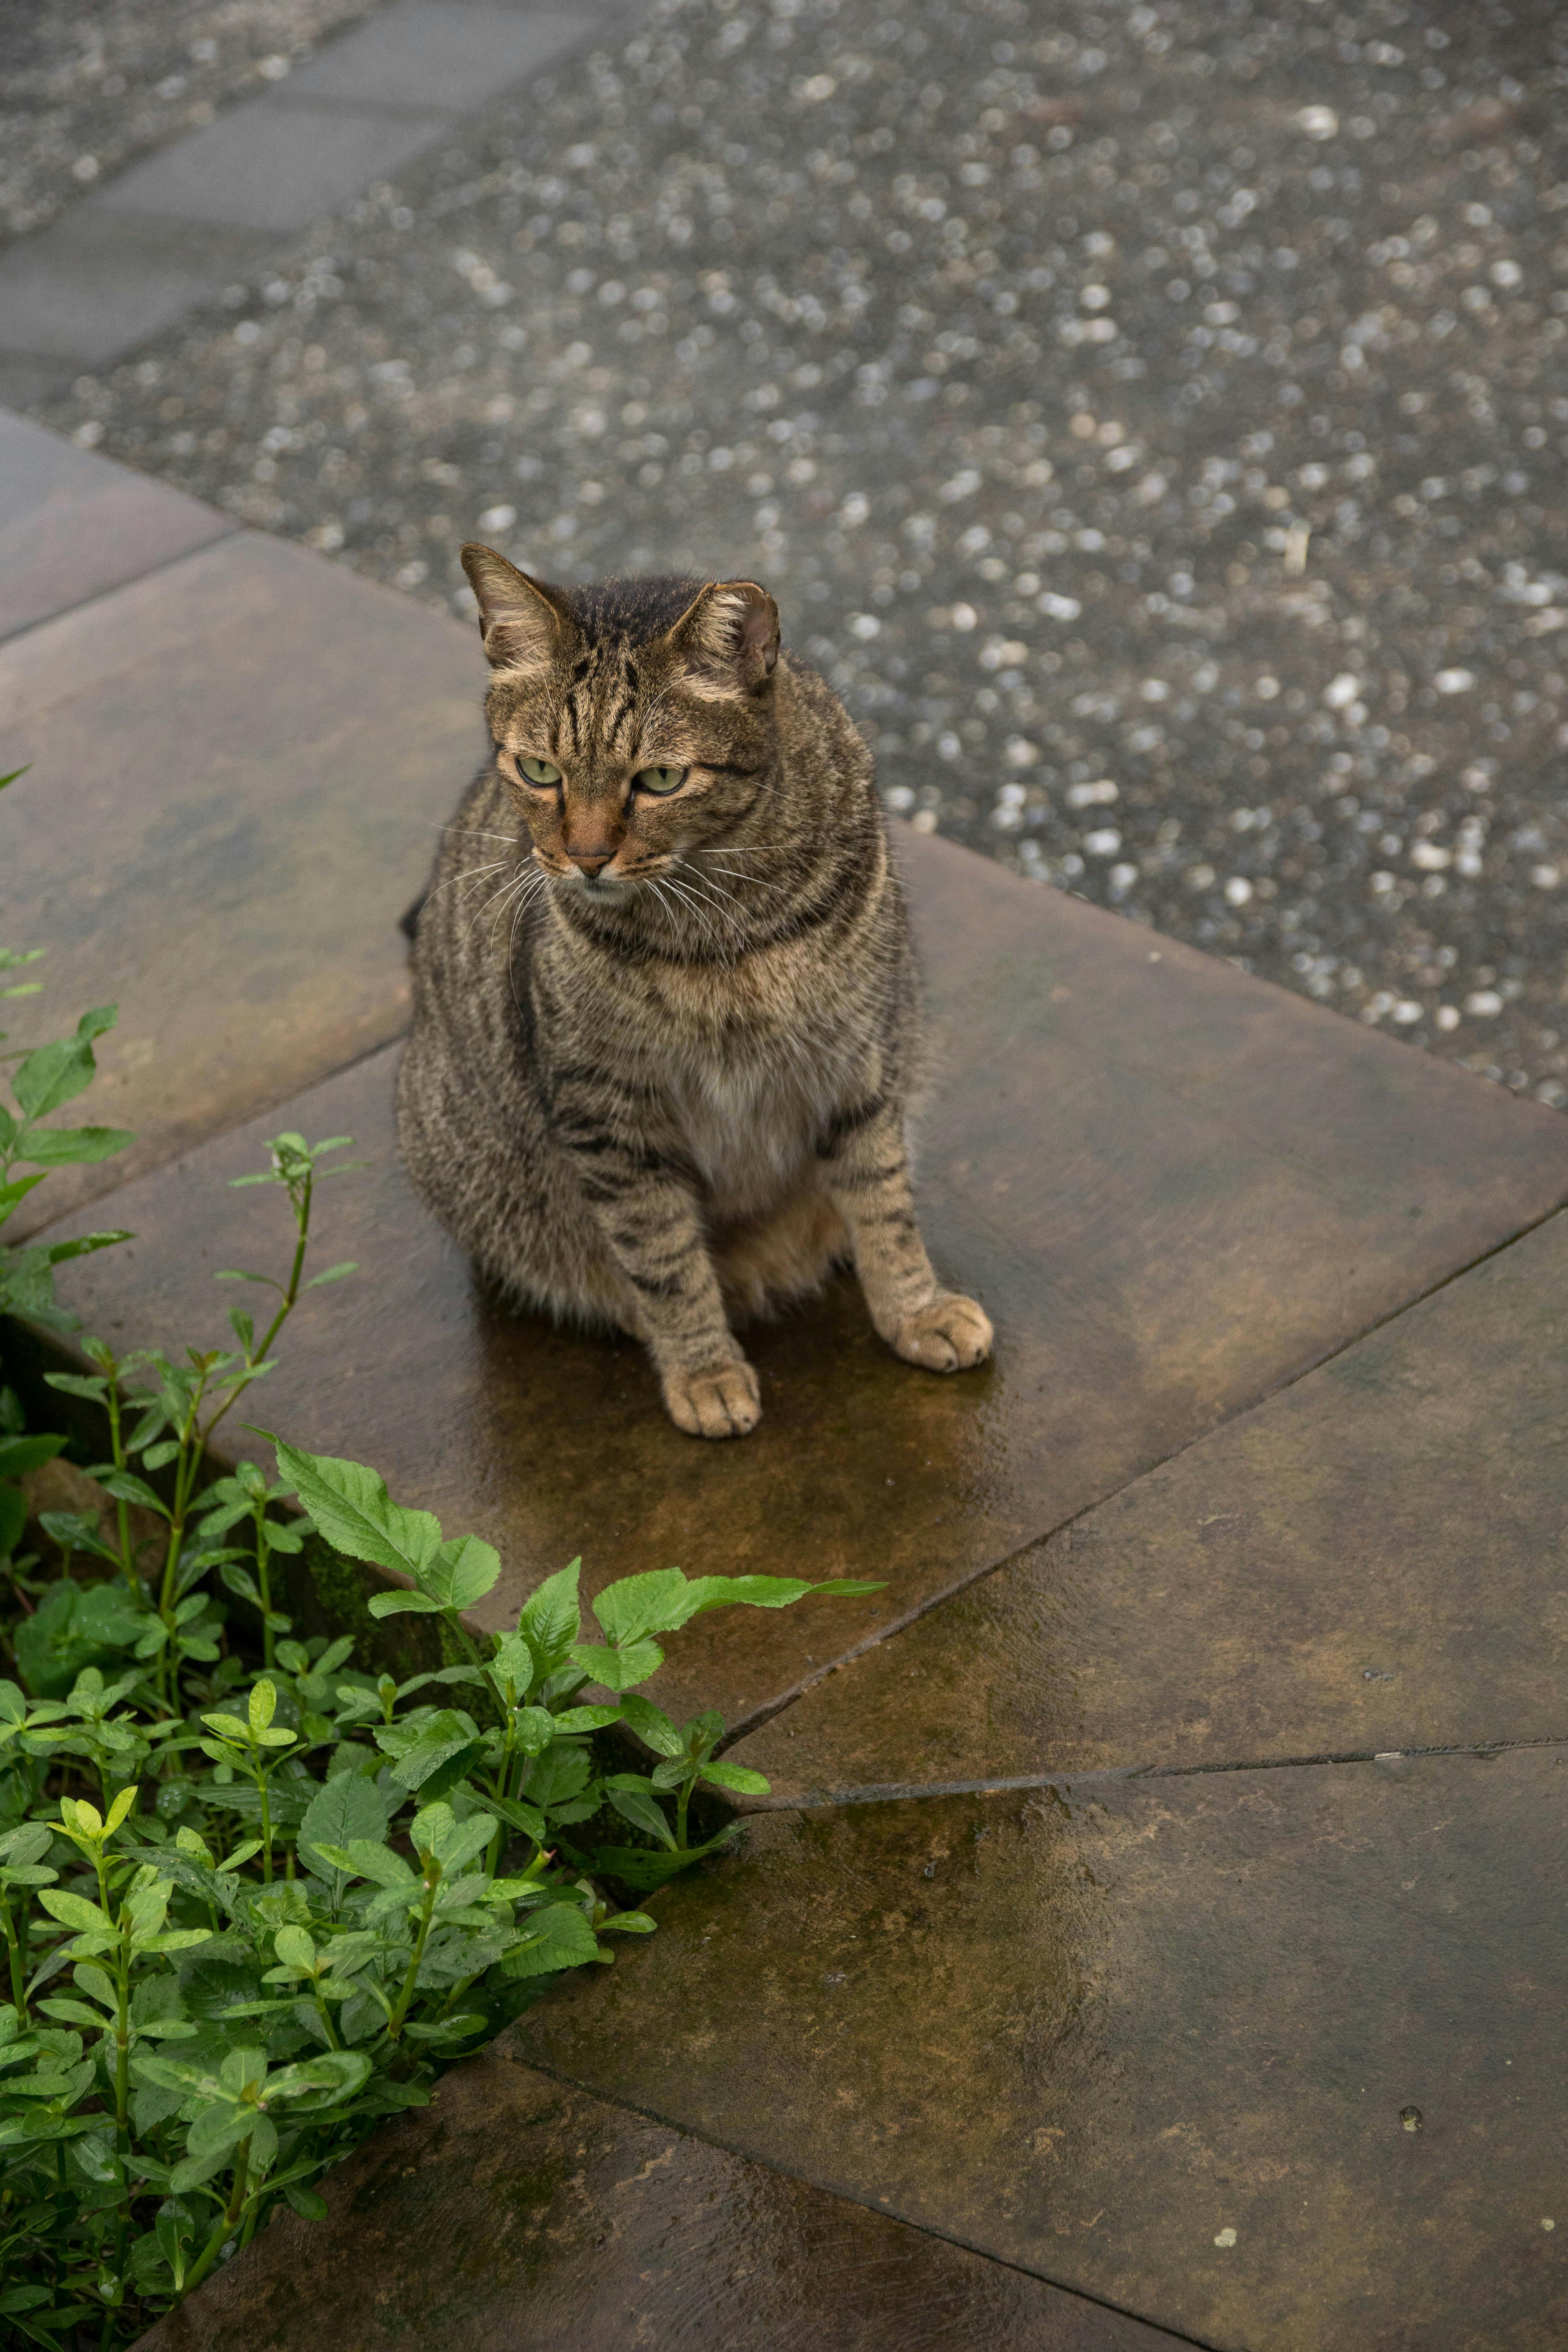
(769,1714)
(228,528)
(215,1135)
(848,2196)
(898,1793)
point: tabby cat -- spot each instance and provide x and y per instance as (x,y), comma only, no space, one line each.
(662,1069)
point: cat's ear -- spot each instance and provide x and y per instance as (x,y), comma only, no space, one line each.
(728,638)
(522,625)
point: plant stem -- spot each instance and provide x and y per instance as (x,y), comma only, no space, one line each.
(224,2226)
(122,1507)
(432,1887)
(263,1583)
(266,1829)
(15,1955)
(122,2059)
(682,1802)
(290,1295)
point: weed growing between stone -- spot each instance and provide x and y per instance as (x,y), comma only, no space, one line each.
(254,1897)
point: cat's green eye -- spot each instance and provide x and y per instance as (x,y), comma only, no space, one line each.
(659,780)
(539,772)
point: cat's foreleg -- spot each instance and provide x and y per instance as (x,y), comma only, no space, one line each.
(647,1214)
(865,1166)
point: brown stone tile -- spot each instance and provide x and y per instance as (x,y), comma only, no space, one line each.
(73,525)
(1153,1265)
(1376,1559)
(237,763)
(518,2211)
(1093,2031)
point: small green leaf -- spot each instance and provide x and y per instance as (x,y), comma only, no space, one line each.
(73,1147)
(18,1455)
(351,1507)
(619,1670)
(739,1777)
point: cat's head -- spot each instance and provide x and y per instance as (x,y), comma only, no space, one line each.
(633,721)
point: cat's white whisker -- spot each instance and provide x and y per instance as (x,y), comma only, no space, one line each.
(468,875)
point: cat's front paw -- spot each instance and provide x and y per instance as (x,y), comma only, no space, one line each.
(949,1334)
(721,1401)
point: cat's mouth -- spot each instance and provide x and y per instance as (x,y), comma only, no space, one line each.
(599,889)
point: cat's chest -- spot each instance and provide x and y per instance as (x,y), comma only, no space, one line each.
(744,1128)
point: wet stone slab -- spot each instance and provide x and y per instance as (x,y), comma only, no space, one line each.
(516,2211)
(74,526)
(1130,1159)
(1273,2058)
(1373,1559)
(237,767)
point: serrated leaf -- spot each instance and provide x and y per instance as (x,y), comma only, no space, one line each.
(558,1937)
(367,1858)
(349,1505)
(550,1617)
(619,1670)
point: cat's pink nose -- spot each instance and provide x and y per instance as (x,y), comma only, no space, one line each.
(590,861)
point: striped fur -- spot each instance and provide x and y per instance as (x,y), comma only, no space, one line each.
(676,1088)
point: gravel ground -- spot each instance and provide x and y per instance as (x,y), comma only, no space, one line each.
(84,90)
(1151,418)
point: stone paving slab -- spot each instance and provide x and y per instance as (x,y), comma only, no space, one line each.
(1373,1559)
(454,54)
(268,166)
(97,283)
(1272,2058)
(73,525)
(1159,1253)
(516,2211)
(371,102)
(237,767)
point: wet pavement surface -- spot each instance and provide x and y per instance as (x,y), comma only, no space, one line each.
(1373,1560)
(1274,2058)
(1153,420)
(604,2231)
(1174,1189)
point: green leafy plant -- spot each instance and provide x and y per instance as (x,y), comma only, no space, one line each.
(199,2024)
(45,1079)
(178,1407)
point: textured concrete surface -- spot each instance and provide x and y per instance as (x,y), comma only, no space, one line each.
(235,775)
(1174,1188)
(269,166)
(1373,1559)
(1166,400)
(72,526)
(1274,2058)
(98,283)
(604,2231)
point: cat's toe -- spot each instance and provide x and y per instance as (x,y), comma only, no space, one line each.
(721,1401)
(949,1334)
